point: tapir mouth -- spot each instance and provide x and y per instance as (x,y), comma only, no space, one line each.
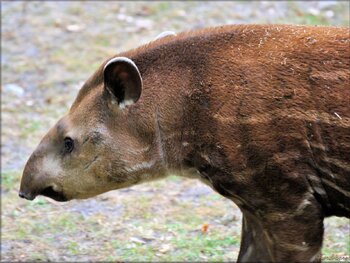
(55,195)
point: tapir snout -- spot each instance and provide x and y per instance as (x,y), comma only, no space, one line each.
(36,181)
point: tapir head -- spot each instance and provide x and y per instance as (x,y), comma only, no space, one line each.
(95,147)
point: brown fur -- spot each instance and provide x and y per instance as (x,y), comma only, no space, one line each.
(260,113)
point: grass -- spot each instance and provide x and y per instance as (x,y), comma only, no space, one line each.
(187,245)
(193,247)
(9,179)
(73,247)
(28,128)
(141,234)
(40,225)
(307,18)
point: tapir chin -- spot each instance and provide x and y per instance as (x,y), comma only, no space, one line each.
(261,113)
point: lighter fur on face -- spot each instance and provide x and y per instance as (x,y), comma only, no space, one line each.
(51,166)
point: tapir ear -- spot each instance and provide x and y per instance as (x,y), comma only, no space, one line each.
(123,80)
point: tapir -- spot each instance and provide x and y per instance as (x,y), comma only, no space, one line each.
(261,113)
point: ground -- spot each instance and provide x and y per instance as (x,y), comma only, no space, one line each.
(48,50)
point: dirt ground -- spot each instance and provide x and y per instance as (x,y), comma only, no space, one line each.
(48,49)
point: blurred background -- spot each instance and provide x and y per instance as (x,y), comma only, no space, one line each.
(48,49)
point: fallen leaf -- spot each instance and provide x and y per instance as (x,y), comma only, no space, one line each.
(205,228)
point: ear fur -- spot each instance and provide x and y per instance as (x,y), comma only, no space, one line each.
(123,80)
(165,34)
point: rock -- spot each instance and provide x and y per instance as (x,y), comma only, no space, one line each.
(74,28)
(14,89)
(142,24)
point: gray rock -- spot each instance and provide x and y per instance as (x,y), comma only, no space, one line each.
(14,89)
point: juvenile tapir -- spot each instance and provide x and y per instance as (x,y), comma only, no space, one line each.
(259,113)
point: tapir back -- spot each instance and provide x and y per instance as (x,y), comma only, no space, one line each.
(255,100)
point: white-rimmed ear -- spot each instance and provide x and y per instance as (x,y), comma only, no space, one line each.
(165,34)
(123,80)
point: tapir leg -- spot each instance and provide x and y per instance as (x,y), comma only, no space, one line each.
(297,238)
(286,237)
(254,246)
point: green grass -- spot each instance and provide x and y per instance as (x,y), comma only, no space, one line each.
(211,246)
(161,7)
(102,40)
(310,19)
(9,179)
(38,257)
(305,18)
(39,202)
(175,237)
(73,247)
(75,10)
(28,128)
(188,245)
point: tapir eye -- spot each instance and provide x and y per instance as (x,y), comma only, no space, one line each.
(68,145)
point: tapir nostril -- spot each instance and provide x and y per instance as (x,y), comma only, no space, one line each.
(26,196)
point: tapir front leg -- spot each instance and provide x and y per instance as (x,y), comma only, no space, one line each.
(254,246)
(297,236)
(283,237)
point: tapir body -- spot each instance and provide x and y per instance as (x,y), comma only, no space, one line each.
(259,113)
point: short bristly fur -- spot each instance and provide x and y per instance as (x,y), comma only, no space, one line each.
(260,113)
